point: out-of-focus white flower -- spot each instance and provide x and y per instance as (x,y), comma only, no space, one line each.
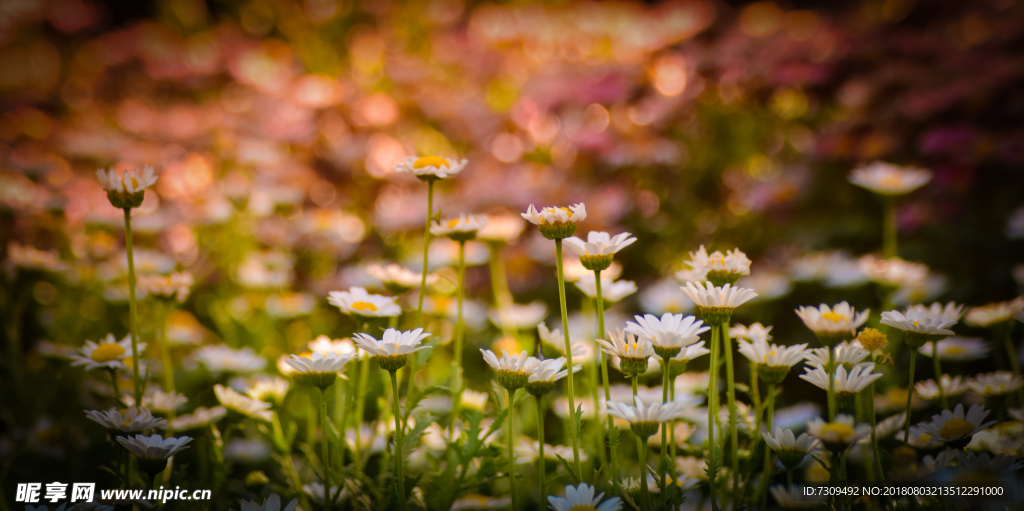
(852,382)
(791,449)
(109,353)
(888,179)
(272,390)
(553,342)
(644,414)
(246,406)
(316,492)
(130,420)
(463,228)
(397,279)
(289,305)
(754,332)
(941,461)
(954,428)
(157,401)
(835,269)
(999,465)
(154,447)
(795,498)
(833,324)
(958,349)
(998,383)
(356,301)
(993,313)
(611,291)
(31,258)
(772,357)
(127,190)
(319,370)
(394,346)
(919,320)
(768,284)
(893,272)
(951,387)
(839,434)
(265,270)
(247,450)
(501,228)
(325,345)
(517,317)
(717,268)
(848,355)
(888,426)
(219,358)
(582,497)
(174,286)
(199,418)
(429,168)
(663,296)
(528,450)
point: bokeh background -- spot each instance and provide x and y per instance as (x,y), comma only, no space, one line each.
(274,127)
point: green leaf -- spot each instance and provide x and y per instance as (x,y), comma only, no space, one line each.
(573,476)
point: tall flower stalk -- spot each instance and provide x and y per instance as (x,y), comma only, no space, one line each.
(558,223)
(889,182)
(645,420)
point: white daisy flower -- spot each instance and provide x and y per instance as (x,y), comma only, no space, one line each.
(581,498)
(272,390)
(394,346)
(848,355)
(232,400)
(397,279)
(951,387)
(317,363)
(272,503)
(325,345)
(833,324)
(846,382)
(954,428)
(988,315)
(717,268)
(919,322)
(219,358)
(958,349)
(556,214)
(514,371)
(501,228)
(612,291)
(772,355)
(930,465)
(999,465)
(289,305)
(669,334)
(663,296)
(157,401)
(553,342)
(199,418)
(429,168)
(754,332)
(109,353)
(839,434)
(626,345)
(128,189)
(130,420)
(528,450)
(893,272)
(598,251)
(463,228)
(888,179)
(644,414)
(545,373)
(998,383)
(717,303)
(154,447)
(888,427)
(792,450)
(357,302)
(688,353)
(517,317)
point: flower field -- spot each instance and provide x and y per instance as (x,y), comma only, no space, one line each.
(447,255)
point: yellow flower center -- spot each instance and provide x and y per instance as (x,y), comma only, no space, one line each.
(567,211)
(838,429)
(580,507)
(956,427)
(834,317)
(924,438)
(915,323)
(306,354)
(955,350)
(123,419)
(770,354)
(453,223)
(107,352)
(430,161)
(891,180)
(364,306)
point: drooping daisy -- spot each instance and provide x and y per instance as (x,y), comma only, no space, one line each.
(199,418)
(889,179)
(773,361)
(954,428)
(517,316)
(545,373)
(715,303)
(951,387)
(921,324)
(754,332)
(998,383)
(718,268)
(272,503)
(612,291)
(394,347)
(397,279)
(669,334)
(958,349)
(153,451)
(219,358)
(847,384)
(556,222)
(581,498)
(599,250)
(130,420)
(232,400)
(319,370)
(999,465)
(552,343)
(634,353)
(430,168)
(463,228)
(109,353)
(993,313)
(833,324)
(792,450)
(848,355)
(127,190)
(645,419)
(357,302)
(514,371)
(839,434)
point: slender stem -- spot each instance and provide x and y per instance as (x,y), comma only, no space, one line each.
(132,305)
(672,429)
(890,247)
(910,393)
(457,344)
(325,456)
(664,425)
(730,381)
(511,453)
(831,371)
(117,391)
(645,496)
(869,402)
(360,397)
(636,380)
(769,421)
(755,395)
(712,411)
(339,416)
(938,373)
(842,467)
(399,457)
(426,253)
(541,462)
(789,480)
(168,365)
(603,361)
(1012,354)
(568,356)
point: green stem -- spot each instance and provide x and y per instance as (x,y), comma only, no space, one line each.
(604,383)
(937,365)
(890,247)
(789,480)
(712,411)
(1012,354)
(769,421)
(730,381)
(360,397)
(636,381)
(325,456)
(339,415)
(541,462)
(568,356)
(168,365)
(870,403)
(457,344)
(831,372)
(645,496)
(910,393)
(664,425)
(511,453)
(132,305)
(117,391)
(426,253)
(399,457)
